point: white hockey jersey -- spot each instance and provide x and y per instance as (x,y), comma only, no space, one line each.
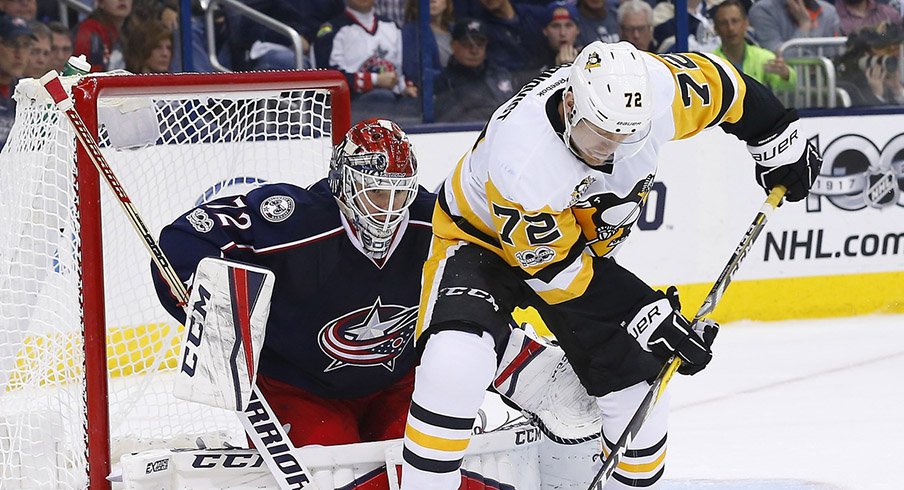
(522,194)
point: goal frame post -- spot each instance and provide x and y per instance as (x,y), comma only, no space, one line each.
(86,93)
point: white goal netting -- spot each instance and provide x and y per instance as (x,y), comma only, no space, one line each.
(172,146)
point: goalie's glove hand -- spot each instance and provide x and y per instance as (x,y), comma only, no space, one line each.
(662,330)
(785,158)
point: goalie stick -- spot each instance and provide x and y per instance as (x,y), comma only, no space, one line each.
(658,385)
(258,419)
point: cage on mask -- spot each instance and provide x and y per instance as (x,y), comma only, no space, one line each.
(373,175)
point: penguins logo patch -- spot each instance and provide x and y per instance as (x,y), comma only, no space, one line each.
(277,208)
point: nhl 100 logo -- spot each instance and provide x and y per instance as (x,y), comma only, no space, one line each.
(857,174)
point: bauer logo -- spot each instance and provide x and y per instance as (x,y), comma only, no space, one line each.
(856,173)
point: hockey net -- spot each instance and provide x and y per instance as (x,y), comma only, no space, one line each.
(83,339)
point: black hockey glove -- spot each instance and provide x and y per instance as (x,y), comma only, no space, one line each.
(662,330)
(785,158)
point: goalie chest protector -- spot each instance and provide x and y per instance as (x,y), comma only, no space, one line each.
(340,326)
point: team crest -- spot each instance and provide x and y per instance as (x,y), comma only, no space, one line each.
(372,336)
(607,218)
(593,61)
(200,221)
(580,189)
(277,208)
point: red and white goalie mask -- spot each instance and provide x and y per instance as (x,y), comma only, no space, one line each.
(373,175)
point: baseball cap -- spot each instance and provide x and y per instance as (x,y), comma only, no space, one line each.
(12,28)
(561,11)
(469,28)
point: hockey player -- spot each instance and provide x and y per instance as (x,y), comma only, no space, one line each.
(338,357)
(534,212)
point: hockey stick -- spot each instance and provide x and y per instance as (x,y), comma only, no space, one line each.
(258,418)
(674,362)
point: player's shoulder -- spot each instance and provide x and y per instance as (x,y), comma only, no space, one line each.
(290,207)
(534,93)
(421,210)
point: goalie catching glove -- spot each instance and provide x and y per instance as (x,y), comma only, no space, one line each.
(662,330)
(785,158)
(535,375)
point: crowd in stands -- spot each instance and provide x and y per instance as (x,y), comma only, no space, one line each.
(475,53)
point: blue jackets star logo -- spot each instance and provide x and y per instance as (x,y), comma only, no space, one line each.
(372,336)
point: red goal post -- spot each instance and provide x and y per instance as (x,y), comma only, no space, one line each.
(85,350)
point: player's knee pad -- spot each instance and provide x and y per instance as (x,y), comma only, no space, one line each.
(643,463)
(450,383)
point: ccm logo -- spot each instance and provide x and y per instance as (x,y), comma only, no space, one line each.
(241,460)
(527,435)
(195,330)
(473,292)
(774,150)
(155,466)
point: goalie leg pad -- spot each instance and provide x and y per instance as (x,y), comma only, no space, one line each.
(535,375)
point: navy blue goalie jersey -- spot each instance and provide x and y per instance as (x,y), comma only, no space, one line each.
(340,325)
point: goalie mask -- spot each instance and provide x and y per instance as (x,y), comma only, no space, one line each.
(373,174)
(612,107)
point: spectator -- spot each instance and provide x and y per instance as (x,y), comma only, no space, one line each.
(16,40)
(60,45)
(437,41)
(99,37)
(857,14)
(149,48)
(701,37)
(39,58)
(561,33)
(514,35)
(597,21)
(761,64)
(472,86)
(26,9)
(257,47)
(391,10)
(635,24)
(368,50)
(868,70)
(777,21)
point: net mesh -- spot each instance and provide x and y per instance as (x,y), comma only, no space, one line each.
(171,152)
